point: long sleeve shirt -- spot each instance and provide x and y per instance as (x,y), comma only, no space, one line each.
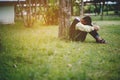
(86,28)
(80,26)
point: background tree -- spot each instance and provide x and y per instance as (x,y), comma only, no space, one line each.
(51,13)
(28,11)
(45,11)
(82,8)
(77,7)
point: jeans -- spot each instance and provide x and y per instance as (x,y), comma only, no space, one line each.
(94,34)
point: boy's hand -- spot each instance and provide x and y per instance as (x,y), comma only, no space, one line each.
(96,27)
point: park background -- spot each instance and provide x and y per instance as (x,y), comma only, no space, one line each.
(33,48)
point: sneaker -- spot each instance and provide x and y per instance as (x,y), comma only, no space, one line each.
(102,41)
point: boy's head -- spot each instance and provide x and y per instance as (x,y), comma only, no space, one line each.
(86,20)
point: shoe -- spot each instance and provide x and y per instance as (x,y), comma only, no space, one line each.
(102,41)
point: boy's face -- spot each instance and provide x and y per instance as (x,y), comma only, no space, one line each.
(83,21)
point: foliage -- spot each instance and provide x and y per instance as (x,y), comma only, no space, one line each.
(51,15)
(89,9)
(37,54)
(33,10)
(76,10)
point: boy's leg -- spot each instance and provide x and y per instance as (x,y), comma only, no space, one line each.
(80,35)
(72,31)
(97,37)
(94,34)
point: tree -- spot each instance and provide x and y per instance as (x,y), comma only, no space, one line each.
(64,18)
(32,10)
(28,11)
(82,7)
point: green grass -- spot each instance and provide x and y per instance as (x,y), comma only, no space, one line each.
(38,54)
(106,17)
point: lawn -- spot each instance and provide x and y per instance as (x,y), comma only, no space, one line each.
(38,54)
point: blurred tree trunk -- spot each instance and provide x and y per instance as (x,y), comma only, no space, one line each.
(72,4)
(101,8)
(30,16)
(64,18)
(20,8)
(82,8)
(29,21)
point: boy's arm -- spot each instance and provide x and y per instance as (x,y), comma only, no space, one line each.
(85,28)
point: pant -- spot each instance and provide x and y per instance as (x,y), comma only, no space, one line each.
(81,36)
(94,34)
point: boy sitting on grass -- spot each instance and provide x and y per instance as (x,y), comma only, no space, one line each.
(80,27)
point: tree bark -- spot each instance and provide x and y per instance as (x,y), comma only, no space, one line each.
(64,18)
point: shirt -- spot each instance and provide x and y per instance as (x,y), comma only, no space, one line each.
(86,28)
(80,26)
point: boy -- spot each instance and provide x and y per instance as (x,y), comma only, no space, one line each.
(79,29)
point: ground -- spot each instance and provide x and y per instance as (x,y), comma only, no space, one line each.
(38,54)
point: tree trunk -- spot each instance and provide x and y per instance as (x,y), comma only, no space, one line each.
(102,7)
(64,18)
(82,7)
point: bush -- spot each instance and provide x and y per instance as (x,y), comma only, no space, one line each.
(51,15)
(89,9)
